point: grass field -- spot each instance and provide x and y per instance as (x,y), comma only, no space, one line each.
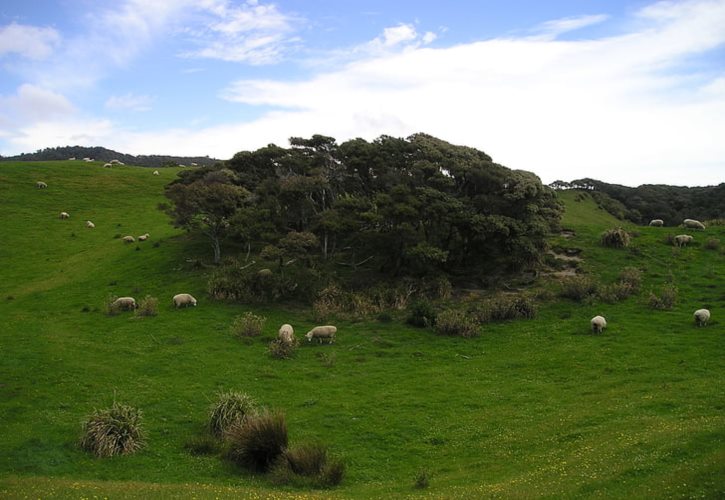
(537,408)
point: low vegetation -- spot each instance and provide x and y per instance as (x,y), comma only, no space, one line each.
(258,441)
(117,430)
(230,408)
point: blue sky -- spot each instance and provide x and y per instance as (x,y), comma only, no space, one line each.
(627,92)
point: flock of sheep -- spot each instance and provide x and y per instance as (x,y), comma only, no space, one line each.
(702,316)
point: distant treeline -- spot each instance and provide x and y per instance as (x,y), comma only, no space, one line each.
(103,154)
(654,201)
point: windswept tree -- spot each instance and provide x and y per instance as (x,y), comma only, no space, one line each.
(207,205)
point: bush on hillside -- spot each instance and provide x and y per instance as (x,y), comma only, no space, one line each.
(615,238)
(712,244)
(308,465)
(148,306)
(666,299)
(422,314)
(505,307)
(456,323)
(578,288)
(258,441)
(248,325)
(114,431)
(279,349)
(231,408)
(422,480)
(632,277)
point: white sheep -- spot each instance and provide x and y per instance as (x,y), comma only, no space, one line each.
(184,299)
(64,215)
(143,237)
(107,165)
(124,304)
(87,159)
(598,324)
(702,316)
(681,240)
(90,225)
(72,158)
(657,223)
(114,162)
(286,334)
(128,239)
(41,185)
(156,172)
(693,224)
(321,333)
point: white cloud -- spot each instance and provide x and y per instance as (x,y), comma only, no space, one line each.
(559,26)
(28,41)
(32,103)
(129,102)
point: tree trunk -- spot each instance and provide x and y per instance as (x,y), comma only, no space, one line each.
(217,249)
(324,246)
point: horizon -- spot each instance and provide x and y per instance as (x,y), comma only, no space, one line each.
(633,91)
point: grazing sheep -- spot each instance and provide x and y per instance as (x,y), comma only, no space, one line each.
(321,333)
(702,316)
(693,224)
(87,159)
(193,164)
(124,304)
(681,240)
(128,239)
(286,334)
(107,165)
(143,237)
(41,185)
(72,158)
(598,324)
(184,299)
(657,223)
(90,225)
(156,172)
(115,162)
(64,215)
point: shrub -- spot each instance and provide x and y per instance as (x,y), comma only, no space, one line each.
(280,349)
(308,465)
(248,325)
(385,317)
(148,306)
(632,277)
(615,238)
(202,445)
(712,243)
(615,292)
(257,442)
(666,299)
(327,359)
(422,314)
(422,480)
(114,431)
(231,408)
(505,307)
(578,288)
(456,323)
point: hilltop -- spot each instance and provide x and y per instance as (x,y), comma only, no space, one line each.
(98,153)
(529,408)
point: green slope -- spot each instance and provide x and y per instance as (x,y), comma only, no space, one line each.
(530,408)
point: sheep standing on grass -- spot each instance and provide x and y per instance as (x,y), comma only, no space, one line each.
(702,316)
(90,225)
(693,224)
(124,304)
(143,237)
(128,239)
(41,185)
(286,334)
(156,172)
(321,333)
(681,240)
(598,324)
(184,299)
(107,165)
(656,223)
(64,215)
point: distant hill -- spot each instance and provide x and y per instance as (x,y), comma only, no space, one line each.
(103,154)
(653,201)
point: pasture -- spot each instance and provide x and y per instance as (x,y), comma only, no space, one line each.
(530,408)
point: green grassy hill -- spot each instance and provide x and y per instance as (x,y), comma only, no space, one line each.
(528,409)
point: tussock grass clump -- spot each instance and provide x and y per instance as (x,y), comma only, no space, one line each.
(258,441)
(231,408)
(615,238)
(712,244)
(148,306)
(248,325)
(505,307)
(422,480)
(666,299)
(632,277)
(578,288)
(280,349)
(422,314)
(615,292)
(308,465)
(114,431)
(202,445)
(456,323)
